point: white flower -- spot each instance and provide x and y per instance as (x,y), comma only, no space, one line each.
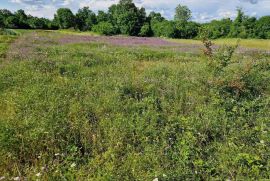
(73,165)
(2,178)
(156,179)
(56,154)
(38,174)
(16,178)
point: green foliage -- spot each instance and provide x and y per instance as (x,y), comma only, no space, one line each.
(146,30)
(21,18)
(153,16)
(7,32)
(182,14)
(85,19)
(218,29)
(38,23)
(2,23)
(101,112)
(104,28)
(102,16)
(164,29)
(65,18)
(188,30)
(263,27)
(127,17)
(12,22)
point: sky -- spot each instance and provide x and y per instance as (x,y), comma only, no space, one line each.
(202,10)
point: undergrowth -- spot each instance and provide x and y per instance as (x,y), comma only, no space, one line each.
(91,111)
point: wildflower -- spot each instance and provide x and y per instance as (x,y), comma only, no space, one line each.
(38,174)
(73,165)
(156,179)
(2,178)
(56,154)
(16,178)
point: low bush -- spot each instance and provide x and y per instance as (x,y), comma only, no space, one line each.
(104,28)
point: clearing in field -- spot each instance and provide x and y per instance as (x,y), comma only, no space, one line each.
(81,107)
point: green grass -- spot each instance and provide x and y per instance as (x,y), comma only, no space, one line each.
(75,32)
(247,43)
(5,40)
(90,111)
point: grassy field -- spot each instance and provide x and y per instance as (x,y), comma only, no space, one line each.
(5,40)
(72,109)
(246,43)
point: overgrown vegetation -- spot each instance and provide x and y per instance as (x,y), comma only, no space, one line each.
(125,18)
(93,111)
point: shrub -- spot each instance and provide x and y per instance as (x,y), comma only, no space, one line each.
(104,28)
(164,29)
(146,30)
(7,32)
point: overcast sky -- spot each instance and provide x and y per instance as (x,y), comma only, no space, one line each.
(202,10)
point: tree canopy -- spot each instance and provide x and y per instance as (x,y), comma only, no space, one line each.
(182,13)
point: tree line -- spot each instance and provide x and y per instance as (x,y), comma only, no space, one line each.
(125,18)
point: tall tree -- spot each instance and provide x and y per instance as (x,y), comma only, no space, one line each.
(126,17)
(263,27)
(85,19)
(21,18)
(102,16)
(2,24)
(153,16)
(65,18)
(182,13)
(4,14)
(237,26)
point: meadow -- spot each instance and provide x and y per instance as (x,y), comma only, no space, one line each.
(82,107)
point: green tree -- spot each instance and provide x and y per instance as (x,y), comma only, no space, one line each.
(146,30)
(38,23)
(187,30)
(182,13)
(102,16)
(85,19)
(164,29)
(2,24)
(126,17)
(218,28)
(263,27)
(237,26)
(65,18)
(21,18)
(104,28)
(153,16)
(249,24)
(12,22)
(4,14)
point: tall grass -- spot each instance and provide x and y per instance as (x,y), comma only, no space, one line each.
(246,43)
(92,111)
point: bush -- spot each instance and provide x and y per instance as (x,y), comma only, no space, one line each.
(7,32)
(164,29)
(146,30)
(104,28)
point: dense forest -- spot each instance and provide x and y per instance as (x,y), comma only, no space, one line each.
(125,18)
